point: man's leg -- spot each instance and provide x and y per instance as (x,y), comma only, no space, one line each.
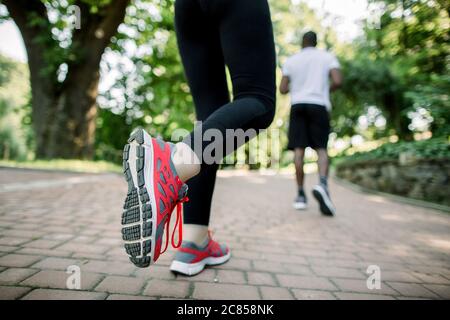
(299,155)
(320,129)
(297,141)
(300,199)
(323,164)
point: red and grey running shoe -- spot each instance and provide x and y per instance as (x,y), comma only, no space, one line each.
(154,190)
(191,259)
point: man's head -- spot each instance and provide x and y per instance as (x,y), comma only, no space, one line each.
(309,39)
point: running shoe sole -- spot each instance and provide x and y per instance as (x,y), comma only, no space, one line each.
(192,269)
(326,207)
(299,205)
(139,215)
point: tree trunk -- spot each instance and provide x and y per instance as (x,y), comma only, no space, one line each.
(64,114)
(72,134)
(399,121)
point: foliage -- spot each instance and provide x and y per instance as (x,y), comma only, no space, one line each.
(436,148)
(434,97)
(400,66)
(64,165)
(151,90)
(395,70)
(15,132)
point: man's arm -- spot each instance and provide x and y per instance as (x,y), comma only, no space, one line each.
(336,79)
(284,85)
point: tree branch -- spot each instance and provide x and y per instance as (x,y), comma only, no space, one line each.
(19,10)
(33,34)
(90,41)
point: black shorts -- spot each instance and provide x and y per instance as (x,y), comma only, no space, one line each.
(309,126)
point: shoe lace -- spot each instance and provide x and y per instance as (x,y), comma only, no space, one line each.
(178,223)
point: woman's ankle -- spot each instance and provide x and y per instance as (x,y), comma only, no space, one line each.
(185,161)
(195,233)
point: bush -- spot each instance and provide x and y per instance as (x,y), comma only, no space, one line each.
(436,148)
(12,140)
(14,108)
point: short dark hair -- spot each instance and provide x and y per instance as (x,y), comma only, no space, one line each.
(310,39)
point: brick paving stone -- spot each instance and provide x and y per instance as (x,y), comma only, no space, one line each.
(399,276)
(260,278)
(442,290)
(118,284)
(245,254)
(230,276)
(305,282)
(164,288)
(18,260)
(13,241)
(362,296)
(91,256)
(235,263)
(335,262)
(44,252)
(217,291)
(42,244)
(275,249)
(273,293)
(58,280)
(207,275)
(159,272)
(312,295)
(297,269)
(52,294)
(128,297)
(15,275)
(8,248)
(80,247)
(12,293)
(360,286)
(285,258)
(109,267)
(111,242)
(270,266)
(56,263)
(412,290)
(19,236)
(431,278)
(84,239)
(339,272)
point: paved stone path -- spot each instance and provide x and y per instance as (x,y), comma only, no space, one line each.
(49,221)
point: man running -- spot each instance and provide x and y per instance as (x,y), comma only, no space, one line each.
(306,76)
(211,34)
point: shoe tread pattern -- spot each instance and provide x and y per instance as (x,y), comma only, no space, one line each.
(136,224)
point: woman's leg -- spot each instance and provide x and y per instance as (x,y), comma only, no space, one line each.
(201,53)
(210,34)
(241,37)
(247,43)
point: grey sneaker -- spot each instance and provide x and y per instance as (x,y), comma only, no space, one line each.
(300,202)
(191,259)
(322,196)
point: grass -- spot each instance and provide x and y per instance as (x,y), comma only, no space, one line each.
(64,165)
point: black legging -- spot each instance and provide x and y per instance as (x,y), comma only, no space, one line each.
(212,34)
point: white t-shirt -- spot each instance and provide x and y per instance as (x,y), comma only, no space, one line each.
(309,72)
